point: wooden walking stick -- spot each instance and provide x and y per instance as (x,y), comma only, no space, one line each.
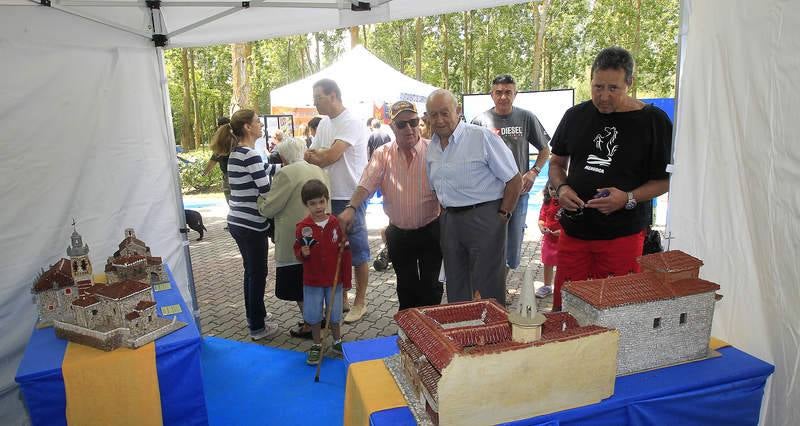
(330,307)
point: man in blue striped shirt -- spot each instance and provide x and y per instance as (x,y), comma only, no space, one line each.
(477,183)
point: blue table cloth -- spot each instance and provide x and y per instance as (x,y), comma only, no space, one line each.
(726,390)
(178,365)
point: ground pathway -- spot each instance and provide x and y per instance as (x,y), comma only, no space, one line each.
(217,267)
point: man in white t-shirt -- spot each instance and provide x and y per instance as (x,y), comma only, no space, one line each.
(340,147)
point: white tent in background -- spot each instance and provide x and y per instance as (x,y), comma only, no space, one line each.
(365,81)
(86,132)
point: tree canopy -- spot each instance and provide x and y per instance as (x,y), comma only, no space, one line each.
(544,44)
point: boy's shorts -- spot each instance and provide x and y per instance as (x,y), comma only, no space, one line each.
(312,304)
(359,243)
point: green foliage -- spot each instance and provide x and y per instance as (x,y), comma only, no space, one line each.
(496,40)
(192,177)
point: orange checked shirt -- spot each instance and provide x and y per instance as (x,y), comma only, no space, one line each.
(407,196)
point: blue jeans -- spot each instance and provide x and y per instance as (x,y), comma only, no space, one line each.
(313,304)
(359,243)
(516,230)
(253,247)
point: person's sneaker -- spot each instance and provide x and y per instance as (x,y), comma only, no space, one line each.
(544,291)
(382,260)
(313,355)
(337,347)
(269,331)
(355,314)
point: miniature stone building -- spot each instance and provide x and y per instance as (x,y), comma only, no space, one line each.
(448,349)
(55,290)
(133,262)
(663,314)
(122,313)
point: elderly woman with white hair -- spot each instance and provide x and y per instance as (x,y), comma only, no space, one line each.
(283,203)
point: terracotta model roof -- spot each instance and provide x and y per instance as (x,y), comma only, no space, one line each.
(121,290)
(131,315)
(428,337)
(635,288)
(128,260)
(669,261)
(60,273)
(85,301)
(154,260)
(144,304)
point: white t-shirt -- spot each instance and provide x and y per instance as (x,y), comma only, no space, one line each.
(346,172)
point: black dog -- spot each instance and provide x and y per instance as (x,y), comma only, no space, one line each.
(195,221)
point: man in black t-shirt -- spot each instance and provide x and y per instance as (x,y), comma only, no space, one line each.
(377,136)
(609,158)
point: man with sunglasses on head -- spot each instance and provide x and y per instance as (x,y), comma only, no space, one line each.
(519,129)
(609,160)
(398,169)
(476,180)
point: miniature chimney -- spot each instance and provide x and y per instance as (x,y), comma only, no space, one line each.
(129,233)
(526,321)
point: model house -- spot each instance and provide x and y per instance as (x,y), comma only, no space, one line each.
(461,358)
(663,314)
(105,316)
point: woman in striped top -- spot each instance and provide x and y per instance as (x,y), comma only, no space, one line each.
(249,177)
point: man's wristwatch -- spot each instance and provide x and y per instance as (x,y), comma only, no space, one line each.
(349,206)
(504,213)
(536,169)
(631,204)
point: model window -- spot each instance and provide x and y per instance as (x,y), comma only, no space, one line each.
(94,311)
(67,291)
(50,307)
(657,322)
(683,318)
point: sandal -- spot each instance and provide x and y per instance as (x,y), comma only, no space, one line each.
(300,333)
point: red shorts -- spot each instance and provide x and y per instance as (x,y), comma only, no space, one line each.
(583,259)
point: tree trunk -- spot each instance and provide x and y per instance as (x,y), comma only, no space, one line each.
(240,54)
(418,48)
(637,44)
(486,57)
(445,60)
(316,40)
(353,37)
(401,33)
(186,126)
(198,138)
(364,31)
(540,22)
(467,85)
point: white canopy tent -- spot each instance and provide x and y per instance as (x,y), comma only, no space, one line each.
(365,81)
(87,134)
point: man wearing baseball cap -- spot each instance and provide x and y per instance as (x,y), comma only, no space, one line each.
(398,169)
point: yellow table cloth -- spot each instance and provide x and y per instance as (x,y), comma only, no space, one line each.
(370,388)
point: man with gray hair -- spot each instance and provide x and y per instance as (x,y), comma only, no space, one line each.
(477,181)
(609,160)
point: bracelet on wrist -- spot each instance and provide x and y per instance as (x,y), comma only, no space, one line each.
(558,189)
(349,206)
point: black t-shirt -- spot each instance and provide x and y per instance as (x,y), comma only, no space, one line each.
(222,160)
(622,150)
(376,139)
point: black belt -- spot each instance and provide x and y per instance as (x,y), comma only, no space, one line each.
(465,208)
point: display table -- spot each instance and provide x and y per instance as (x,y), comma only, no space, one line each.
(724,390)
(178,367)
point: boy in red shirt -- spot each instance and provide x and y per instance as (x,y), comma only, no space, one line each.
(317,240)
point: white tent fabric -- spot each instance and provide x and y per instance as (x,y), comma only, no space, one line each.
(85,135)
(735,201)
(204,22)
(364,80)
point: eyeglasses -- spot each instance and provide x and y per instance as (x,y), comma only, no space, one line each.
(414,122)
(571,215)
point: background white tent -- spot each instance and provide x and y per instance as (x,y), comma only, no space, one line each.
(86,133)
(364,80)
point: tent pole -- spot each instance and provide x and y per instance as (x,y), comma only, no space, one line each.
(89,17)
(176,179)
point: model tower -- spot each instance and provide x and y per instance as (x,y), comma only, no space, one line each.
(78,253)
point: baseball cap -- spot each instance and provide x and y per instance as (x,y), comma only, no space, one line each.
(401,106)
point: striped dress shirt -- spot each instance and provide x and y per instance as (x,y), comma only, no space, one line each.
(472,169)
(249,177)
(407,196)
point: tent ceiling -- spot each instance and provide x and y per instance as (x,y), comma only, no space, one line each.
(205,22)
